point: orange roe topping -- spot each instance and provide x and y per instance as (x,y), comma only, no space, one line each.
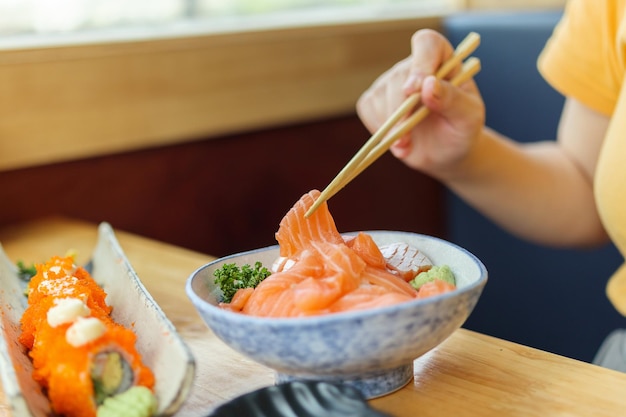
(62,369)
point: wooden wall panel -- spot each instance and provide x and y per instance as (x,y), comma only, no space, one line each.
(95,99)
(225,195)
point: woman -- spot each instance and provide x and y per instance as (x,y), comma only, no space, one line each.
(568,192)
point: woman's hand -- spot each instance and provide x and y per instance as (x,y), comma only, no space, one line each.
(445,137)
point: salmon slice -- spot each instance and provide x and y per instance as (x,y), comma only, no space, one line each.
(390,282)
(364,245)
(366,297)
(434,287)
(405,260)
(239,300)
(296,232)
(320,277)
(273,297)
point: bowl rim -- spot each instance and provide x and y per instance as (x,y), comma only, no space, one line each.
(319,319)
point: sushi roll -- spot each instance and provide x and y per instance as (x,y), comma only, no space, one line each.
(80,356)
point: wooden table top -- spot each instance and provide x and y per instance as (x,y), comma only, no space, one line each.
(469,374)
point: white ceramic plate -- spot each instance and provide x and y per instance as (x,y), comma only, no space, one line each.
(157,340)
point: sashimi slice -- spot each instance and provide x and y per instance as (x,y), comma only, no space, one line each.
(239,300)
(434,287)
(405,260)
(364,245)
(296,232)
(366,297)
(322,275)
(342,269)
(388,281)
(274,295)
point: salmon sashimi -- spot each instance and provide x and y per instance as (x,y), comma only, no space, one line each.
(405,260)
(384,279)
(366,297)
(364,245)
(320,277)
(296,232)
(321,272)
(434,287)
(239,299)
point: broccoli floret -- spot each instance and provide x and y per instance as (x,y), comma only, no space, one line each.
(231,278)
(442,272)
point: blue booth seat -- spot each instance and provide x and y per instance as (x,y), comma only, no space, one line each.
(552,299)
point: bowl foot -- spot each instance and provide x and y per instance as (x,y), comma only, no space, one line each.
(371,385)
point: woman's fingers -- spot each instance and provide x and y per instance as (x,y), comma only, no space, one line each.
(429,50)
(457,105)
(384,96)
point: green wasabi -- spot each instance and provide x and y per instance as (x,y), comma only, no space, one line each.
(135,402)
(442,272)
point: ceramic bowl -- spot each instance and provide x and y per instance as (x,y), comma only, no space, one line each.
(372,350)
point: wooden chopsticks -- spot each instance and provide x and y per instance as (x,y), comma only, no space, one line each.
(380,141)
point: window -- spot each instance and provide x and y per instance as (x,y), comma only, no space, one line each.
(28,17)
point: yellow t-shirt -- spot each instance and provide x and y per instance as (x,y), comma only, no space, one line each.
(585,59)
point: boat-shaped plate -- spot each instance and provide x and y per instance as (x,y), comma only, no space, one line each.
(162,348)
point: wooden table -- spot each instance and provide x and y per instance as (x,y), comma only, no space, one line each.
(470,374)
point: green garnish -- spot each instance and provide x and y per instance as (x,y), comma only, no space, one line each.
(231,278)
(24,272)
(138,401)
(442,272)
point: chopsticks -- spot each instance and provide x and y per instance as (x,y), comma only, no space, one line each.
(379,143)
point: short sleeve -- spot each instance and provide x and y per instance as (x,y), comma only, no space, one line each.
(583,58)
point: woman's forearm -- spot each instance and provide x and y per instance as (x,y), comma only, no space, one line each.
(532,190)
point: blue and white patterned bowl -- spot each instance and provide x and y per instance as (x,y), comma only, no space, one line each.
(372,350)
